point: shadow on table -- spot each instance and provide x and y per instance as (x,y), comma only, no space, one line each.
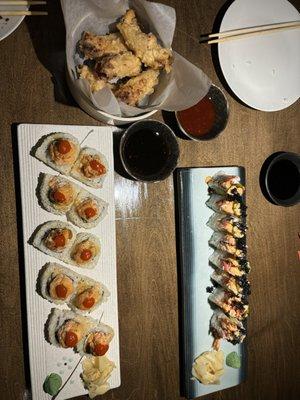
(215,56)
(47,34)
(20,254)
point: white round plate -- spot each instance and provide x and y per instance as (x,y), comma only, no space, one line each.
(263,71)
(9,24)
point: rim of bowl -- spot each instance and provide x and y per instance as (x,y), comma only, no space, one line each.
(292,200)
(122,145)
(204,138)
(111,116)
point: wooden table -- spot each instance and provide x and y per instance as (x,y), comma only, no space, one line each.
(32,58)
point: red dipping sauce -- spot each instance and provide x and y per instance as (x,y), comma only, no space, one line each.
(199,119)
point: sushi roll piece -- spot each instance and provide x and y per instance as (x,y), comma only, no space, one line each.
(97,340)
(57,284)
(57,194)
(55,238)
(228,328)
(91,167)
(61,285)
(85,335)
(233,266)
(229,244)
(88,296)
(224,184)
(234,306)
(59,151)
(227,224)
(87,210)
(67,329)
(236,285)
(228,206)
(85,251)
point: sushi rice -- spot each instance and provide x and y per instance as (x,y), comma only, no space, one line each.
(44,229)
(42,152)
(72,214)
(80,282)
(58,317)
(82,237)
(76,173)
(44,193)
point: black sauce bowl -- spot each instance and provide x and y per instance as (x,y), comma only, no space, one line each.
(271,182)
(149,151)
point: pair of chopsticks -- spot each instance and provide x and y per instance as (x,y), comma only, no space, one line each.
(247,32)
(10,12)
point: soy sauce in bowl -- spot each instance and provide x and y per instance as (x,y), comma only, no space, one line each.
(280,178)
(149,151)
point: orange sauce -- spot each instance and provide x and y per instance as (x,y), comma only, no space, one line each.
(199,119)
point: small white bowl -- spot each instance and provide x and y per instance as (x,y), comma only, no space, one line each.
(101,115)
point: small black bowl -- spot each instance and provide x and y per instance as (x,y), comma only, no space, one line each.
(217,97)
(149,151)
(280,178)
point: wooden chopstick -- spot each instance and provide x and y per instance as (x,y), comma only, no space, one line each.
(22,3)
(246,32)
(20,13)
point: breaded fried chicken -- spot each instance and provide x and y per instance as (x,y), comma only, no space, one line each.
(119,65)
(95,46)
(135,89)
(96,83)
(144,46)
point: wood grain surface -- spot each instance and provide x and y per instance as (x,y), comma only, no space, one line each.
(32,89)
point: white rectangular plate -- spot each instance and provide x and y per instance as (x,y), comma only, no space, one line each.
(196,312)
(43,357)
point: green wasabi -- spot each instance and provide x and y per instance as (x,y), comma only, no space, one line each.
(52,384)
(233,360)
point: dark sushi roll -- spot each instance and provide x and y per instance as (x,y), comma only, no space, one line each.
(227,224)
(228,328)
(224,184)
(228,243)
(234,306)
(236,285)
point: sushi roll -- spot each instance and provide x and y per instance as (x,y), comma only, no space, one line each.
(59,151)
(57,284)
(234,306)
(67,329)
(97,340)
(57,194)
(224,262)
(228,224)
(236,285)
(229,244)
(88,296)
(228,206)
(224,184)
(85,251)
(87,210)
(90,168)
(61,285)
(55,238)
(228,328)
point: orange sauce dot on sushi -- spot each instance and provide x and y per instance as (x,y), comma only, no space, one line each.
(100,349)
(88,302)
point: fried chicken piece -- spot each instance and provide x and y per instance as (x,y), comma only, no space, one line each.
(135,89)
(95,46)
(96,83)
(119,65)
(144,46)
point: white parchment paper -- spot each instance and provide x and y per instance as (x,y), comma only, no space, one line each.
(183,87)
